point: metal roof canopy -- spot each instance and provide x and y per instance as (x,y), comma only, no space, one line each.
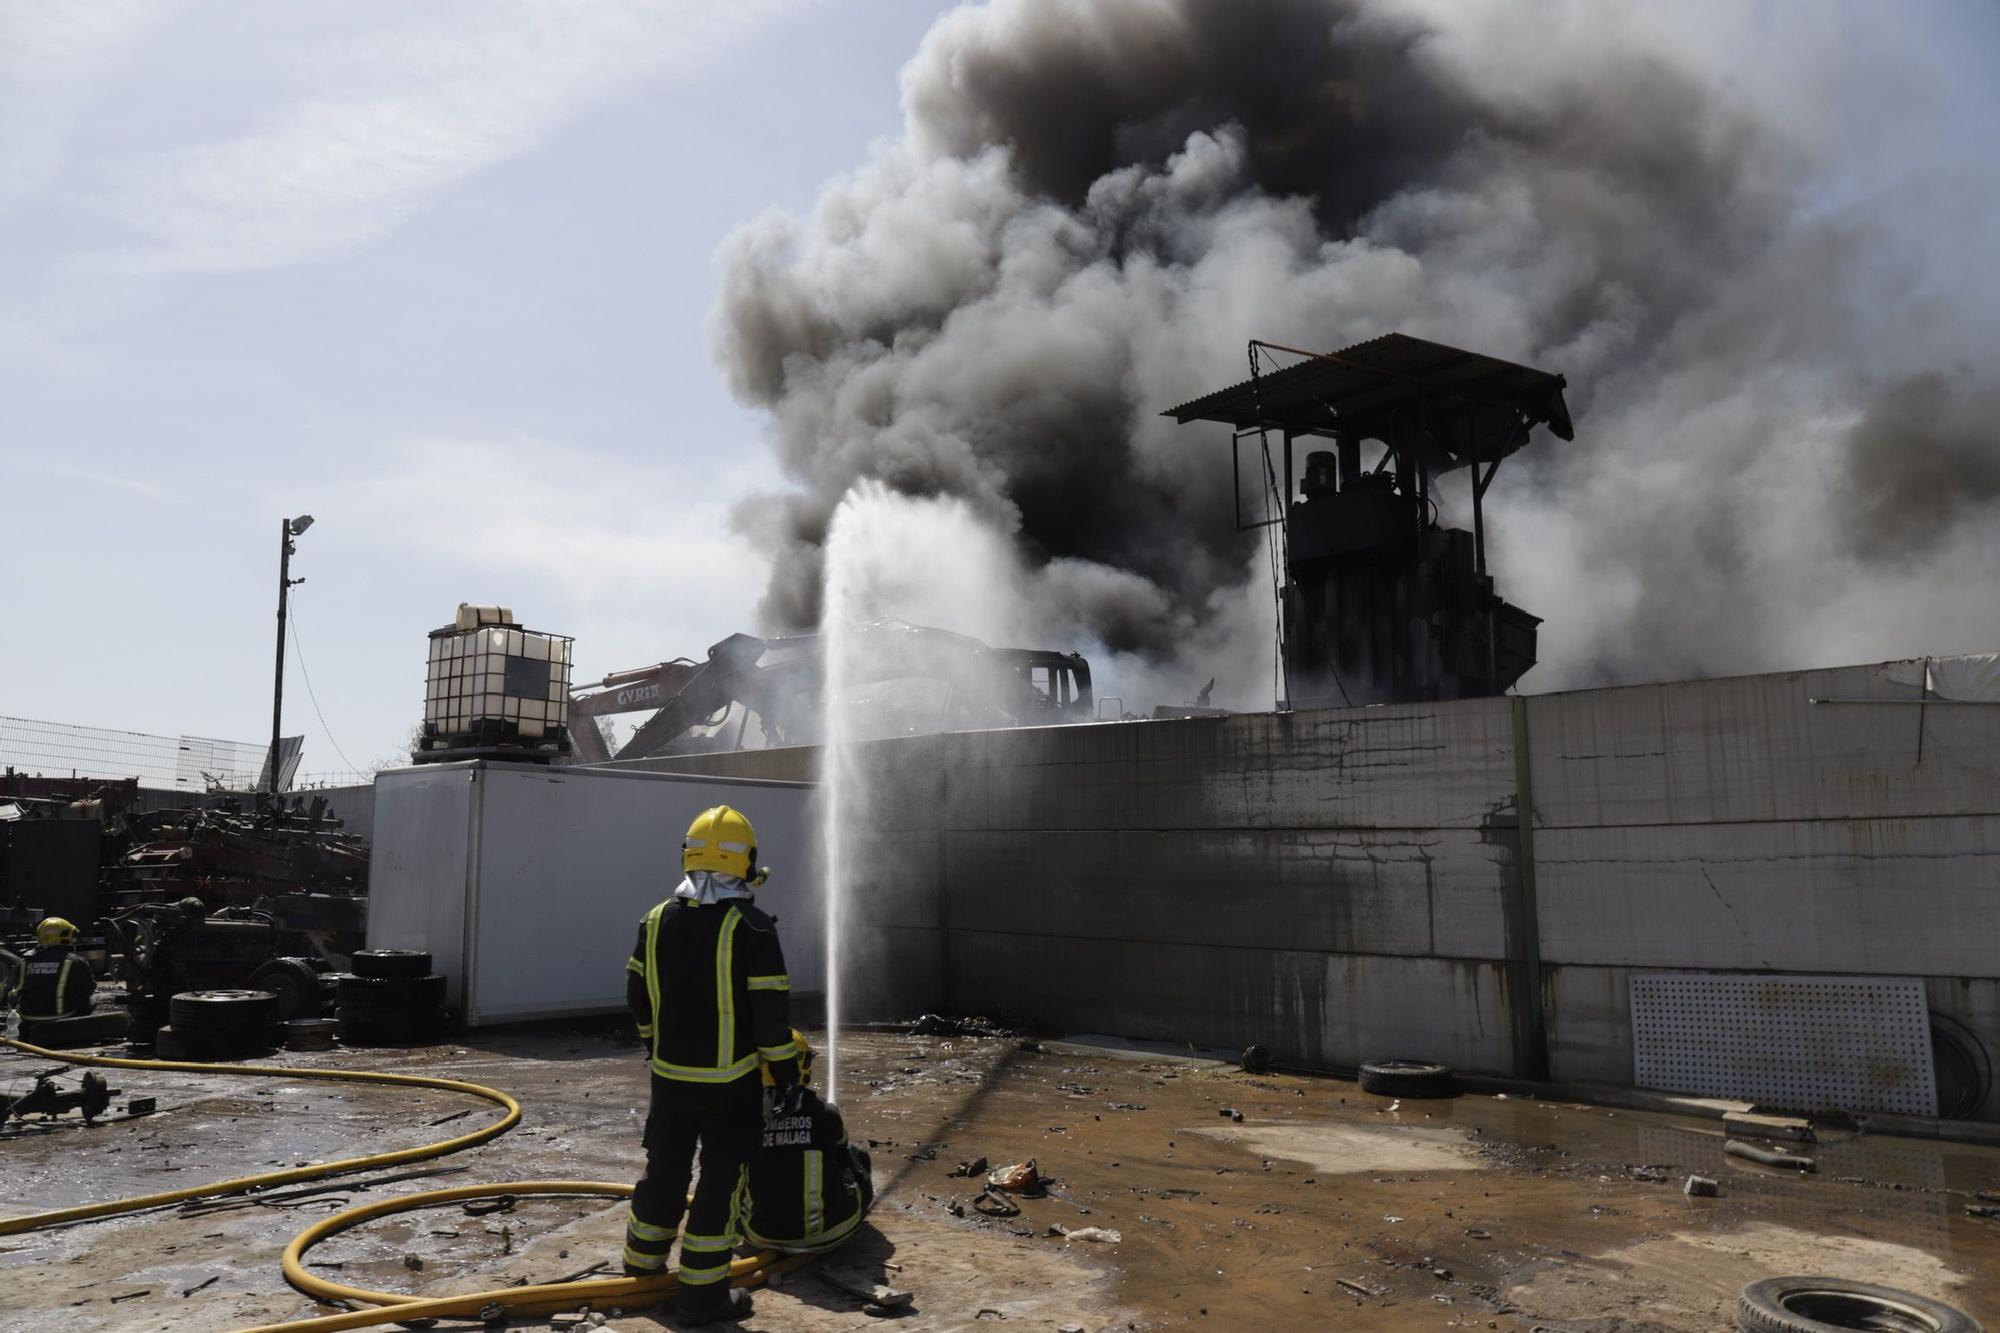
(1449,406)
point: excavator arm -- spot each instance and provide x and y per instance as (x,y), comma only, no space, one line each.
(680,694)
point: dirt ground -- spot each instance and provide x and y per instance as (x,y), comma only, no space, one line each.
(1240,1202)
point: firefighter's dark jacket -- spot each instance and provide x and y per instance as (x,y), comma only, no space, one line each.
(55,983)
(803,1192)
(708,988)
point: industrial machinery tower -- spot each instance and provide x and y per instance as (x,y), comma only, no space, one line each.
(1379,602)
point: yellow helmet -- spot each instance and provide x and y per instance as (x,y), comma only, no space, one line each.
(805,1060)
(55,930)
(720,839)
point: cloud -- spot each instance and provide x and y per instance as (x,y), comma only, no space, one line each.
(636,559)
(51,58)
(93,478)
(376,125)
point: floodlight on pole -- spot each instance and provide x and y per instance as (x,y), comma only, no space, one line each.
(289,529)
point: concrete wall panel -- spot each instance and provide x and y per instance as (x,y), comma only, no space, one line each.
(1910,897)
(1434,766)
(1590,1024)
(1358,891)
(1756,748)
(1328,1010)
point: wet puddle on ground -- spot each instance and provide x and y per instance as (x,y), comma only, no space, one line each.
(1321,1205)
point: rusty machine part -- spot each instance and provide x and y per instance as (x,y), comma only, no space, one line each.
(780,681)
(93,1098)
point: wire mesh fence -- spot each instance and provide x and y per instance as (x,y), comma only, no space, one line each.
(184,763)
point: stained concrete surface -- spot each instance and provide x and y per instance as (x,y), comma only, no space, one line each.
(1322,1205)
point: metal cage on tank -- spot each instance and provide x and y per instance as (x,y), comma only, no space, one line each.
(494,689)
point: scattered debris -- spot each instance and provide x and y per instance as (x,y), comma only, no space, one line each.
(1020,1178)
(880,1299)
(1769,1157)
(1360,1289)
(1095,1235)
(995,1205)
(1752,1124)
(936,1025)
(1701,1187)
(413,1262)
(1230,1112)
(203,1285)
(1256,1059)
(975,1167)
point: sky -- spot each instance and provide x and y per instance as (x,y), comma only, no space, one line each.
(437,275)
(442,276)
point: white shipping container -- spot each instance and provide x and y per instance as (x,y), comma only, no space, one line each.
(526,884)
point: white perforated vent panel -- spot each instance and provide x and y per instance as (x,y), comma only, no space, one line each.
(1807,1043)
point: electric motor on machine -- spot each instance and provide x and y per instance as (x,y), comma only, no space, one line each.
(495,690)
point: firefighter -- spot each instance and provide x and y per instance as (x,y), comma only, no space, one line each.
(809,1187)
(55,982)
(708,988)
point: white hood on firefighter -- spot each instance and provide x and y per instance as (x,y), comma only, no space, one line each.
(708,887)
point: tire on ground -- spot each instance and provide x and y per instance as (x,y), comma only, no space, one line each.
(1407,1078)
(391,996)
(1819,1304)
(295,984)
(391,963)
(223,1012)
(310,1034)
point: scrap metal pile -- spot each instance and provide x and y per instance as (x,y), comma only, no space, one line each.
(227,856)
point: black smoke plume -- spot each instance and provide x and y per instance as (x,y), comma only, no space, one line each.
(1095,203)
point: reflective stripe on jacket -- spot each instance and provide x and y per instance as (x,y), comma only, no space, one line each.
(55,983)
(710,994)
(803,1194)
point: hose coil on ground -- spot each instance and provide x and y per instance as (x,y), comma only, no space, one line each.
(387,1307)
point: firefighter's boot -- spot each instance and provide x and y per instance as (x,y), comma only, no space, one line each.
(718,1304)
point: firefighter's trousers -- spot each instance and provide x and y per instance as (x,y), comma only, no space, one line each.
(725,1125)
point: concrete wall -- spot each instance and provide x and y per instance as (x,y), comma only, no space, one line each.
(1350,884)
(1736,825)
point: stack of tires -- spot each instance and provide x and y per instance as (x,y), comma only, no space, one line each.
(303,991)
(217,1025)
(392,998)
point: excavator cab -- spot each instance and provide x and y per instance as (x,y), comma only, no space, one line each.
(1036,687)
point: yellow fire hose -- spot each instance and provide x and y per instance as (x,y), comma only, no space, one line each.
(547,1298)
(10,1226)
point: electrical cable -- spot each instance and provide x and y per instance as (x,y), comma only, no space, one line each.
(298,651)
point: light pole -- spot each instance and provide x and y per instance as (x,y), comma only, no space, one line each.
(289,529)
